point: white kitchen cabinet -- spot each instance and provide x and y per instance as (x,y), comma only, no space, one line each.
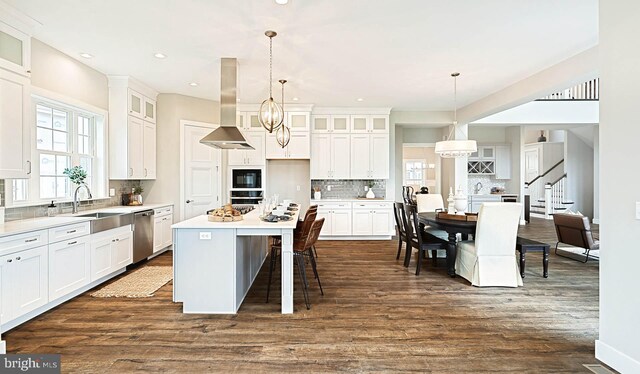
(149,150)
(16,52)
(362,222)
(337,219)
(136,104)
(369,124)
(162,233)
(298,121)
(101,260)
(111,250)
(330,124)
(253,157)
(69,266)
(372,219)
(299,147)
(123,250)
(248,121)
(135,148)
(483,161)
(15,145)
(330,155)
(382,222)
(369,156)
(149,110)
(503,162)
(23,282)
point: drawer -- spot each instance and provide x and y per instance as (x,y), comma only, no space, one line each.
(163,211)
(336,205)
(19,242)
(372,205)
(75,230)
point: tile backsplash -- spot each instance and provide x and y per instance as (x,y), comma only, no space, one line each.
(487,182)
(348,189)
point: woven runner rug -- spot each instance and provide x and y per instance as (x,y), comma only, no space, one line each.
(140,283)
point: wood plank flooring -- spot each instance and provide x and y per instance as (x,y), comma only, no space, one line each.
(375,315)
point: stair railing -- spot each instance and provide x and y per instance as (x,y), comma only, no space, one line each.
(536,189)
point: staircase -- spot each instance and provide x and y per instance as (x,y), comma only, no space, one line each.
(548,199)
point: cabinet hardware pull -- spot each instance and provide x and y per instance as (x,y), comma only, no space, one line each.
(71,231)
(131,172)
(9,260)
(145,172)
(29,163)
(117,240)
(18,258)
(30,240)
(113,240)
(73,242)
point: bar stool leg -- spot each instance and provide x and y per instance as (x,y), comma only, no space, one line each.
(315,272)
(272,265)
(303,279)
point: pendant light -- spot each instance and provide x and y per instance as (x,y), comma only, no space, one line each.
(451,148)
(283,134)
(271,113)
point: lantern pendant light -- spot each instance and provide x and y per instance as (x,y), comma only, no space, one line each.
(271,114)
(283,134)
(451,148)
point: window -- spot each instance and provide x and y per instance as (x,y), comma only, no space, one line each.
(414,172)
(65,136)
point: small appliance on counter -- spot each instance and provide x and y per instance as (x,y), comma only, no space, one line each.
(497,190)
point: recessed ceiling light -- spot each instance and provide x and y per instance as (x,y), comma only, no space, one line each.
(295,99)
(159,55)
(360,99)
(86,55)
(193,84)
(282,2)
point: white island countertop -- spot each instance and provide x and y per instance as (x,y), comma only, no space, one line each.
(316,201)
(250,220)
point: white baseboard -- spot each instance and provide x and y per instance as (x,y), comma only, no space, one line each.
(616,359)
(382,237)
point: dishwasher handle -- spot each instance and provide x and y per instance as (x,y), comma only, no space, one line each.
(145,214)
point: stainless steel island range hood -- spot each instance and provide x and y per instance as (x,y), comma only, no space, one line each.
(227,136)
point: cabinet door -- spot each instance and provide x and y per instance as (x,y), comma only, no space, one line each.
(149,110)
(326,226)
(167,233)
(135,148)
(15,145)
(69,266)
(256,156)
(361,222)
(136,104)
(30,280)
(298,121)
(379,162)
(488,153)
(6,288)
(241,119)
(149,150)
(340,155)
(380,124)
(122,251)
(503,162)
(381,222)
(359,124)
(340,124)
(273,150)
(299,146)
(320,156)
(158,230)
(320,123)
(101,259)
(341,222)
(15,54)
(360,155)
(236,157)
(252,123)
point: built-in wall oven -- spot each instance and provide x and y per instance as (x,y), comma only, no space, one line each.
(246,185)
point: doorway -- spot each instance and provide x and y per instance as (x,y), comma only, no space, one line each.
(421,167)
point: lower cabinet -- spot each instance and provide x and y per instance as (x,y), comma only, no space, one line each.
(111,251)
(69,266)
(23,282)
(337,220)
(162,233)
(372,219)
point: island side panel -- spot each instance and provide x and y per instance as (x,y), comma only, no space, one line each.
(205,270)
(287,271)
(251,251)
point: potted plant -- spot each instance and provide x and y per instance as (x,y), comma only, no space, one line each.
(76,174)
(136,198)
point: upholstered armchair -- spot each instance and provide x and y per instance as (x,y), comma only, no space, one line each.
(490,259)
(574,229)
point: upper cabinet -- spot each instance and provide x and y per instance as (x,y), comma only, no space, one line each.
(254,157)
(370,124)
(298,121)
(248,121)
(132,129)
(15,147)
(15,50)
(331,124)
(491,160)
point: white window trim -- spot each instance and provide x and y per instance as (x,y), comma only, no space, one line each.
(55,98)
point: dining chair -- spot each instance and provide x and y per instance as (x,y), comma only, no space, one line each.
(575,230)
(422,240)
(408,194)
(398,212)
(429,202)
(490,259)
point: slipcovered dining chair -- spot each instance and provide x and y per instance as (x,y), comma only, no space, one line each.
(490,259)
(429,202)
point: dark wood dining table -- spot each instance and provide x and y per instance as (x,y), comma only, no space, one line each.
(452,227)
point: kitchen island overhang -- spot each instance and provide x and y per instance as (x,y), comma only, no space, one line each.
(215,263)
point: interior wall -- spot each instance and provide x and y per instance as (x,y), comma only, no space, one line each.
(397,162)
(171,108)
(58,72)
(515,136)
(487,134)
(578,164)
(596,174)
(285,176)
(412,135)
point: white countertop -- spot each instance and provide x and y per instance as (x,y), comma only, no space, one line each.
(41,223)
(349,200)
(251,221)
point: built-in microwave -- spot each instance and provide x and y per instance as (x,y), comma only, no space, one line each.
(246,178)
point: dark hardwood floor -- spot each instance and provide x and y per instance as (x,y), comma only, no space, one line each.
(376,315)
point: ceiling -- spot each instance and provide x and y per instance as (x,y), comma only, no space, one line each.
(395,54)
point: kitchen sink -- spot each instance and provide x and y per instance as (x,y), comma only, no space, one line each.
(103,221)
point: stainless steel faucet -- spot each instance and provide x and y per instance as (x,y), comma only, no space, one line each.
(477,189)
(75,197)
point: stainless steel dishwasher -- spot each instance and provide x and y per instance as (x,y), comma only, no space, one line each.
(142,235)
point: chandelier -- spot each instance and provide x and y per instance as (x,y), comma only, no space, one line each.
(451,148)
(283,134)
(271,113)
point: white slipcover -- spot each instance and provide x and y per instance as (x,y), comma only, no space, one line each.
(490,259)
(429,202)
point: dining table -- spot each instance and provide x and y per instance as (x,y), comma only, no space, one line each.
(452,227)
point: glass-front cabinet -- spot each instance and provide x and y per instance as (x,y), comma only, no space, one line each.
(15,50)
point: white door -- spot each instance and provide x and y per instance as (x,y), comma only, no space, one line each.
(341,222)
(149,149)
(340,155)
(167,233)
(361,222)
(200,173)
(273,150)
(135,148)
(360,154)
(531,165)
(381,222)
(30,280)
(69,266)
(326,226)
(299,146)
(6,288)
(14,126)
(158,231)
(256,156)
(136,104)
(122,250)
(320,156)
(379,161)
(101,260)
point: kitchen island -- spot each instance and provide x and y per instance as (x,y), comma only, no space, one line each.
(215,263)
